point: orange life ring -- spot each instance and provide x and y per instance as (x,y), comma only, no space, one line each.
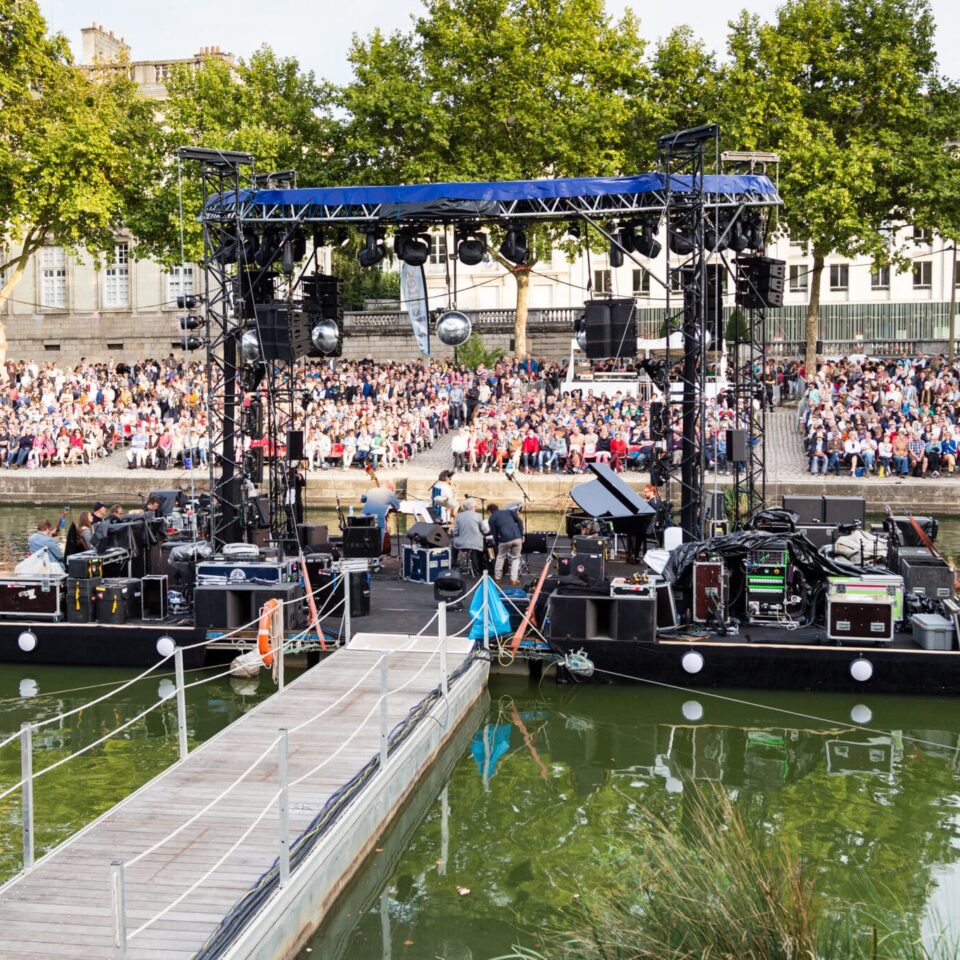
(263,633)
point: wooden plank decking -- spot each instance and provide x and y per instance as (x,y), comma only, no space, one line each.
(62,908)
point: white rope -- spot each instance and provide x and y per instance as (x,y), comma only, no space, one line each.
(207,808)
(186,893)
(89,746)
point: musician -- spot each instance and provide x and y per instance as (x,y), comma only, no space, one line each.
(469,530)
(378,502)
(444,495)
(507,533)
(43,539)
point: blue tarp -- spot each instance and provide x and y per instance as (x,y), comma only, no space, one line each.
(505,191)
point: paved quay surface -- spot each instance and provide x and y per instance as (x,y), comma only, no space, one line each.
(110,480)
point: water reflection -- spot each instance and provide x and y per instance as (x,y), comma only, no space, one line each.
(546,781)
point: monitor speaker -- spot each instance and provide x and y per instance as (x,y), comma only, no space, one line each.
(429,534)
(737,446)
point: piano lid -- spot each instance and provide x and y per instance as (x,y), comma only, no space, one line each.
(609,496)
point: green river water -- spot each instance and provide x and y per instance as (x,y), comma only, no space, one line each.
(489,854)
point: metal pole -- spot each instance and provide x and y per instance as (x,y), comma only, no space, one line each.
(442,623)
(346,605)
(283,805)
(952,345)
(26,792)
(384,720)
(486,610)
(119,910)
(181,703)
(279,651)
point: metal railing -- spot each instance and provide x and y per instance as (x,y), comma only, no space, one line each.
(280,798)
(28,776)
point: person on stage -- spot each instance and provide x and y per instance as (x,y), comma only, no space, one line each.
(445,497)
(507,532)
(469,530)
(378,502)
(43,539)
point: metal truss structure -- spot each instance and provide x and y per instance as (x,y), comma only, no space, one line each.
(696,206)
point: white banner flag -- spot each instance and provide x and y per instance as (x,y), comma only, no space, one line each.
(413,291)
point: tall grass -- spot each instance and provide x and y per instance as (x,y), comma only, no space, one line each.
(708,890)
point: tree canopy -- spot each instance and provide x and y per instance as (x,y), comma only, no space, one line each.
(67,143)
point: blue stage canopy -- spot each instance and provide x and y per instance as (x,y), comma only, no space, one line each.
(505,200)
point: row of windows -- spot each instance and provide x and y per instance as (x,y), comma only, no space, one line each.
(116,279)
(879,277)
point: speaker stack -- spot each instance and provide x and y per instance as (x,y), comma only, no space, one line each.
(611,328)
(712,299)
(760,282)
(284,331)
(323,300)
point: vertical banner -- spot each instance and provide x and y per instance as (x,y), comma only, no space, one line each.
(413,290)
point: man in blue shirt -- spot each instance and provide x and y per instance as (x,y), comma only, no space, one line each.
(378,502)
(42,538)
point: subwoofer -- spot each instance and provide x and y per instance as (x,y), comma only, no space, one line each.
(429,534)
(737,446)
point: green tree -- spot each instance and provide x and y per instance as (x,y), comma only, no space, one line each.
(839,89)
(66,143)
(267,106)
(498,90)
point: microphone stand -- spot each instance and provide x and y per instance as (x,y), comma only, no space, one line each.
(526,500)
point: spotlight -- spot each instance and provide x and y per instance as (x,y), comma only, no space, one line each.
(514,247)
(268,249)
(755,238)
(373,251)
(646,244)
(453,328)
(191,322)
(191,343)
(250,346)
(412,247)
(471,246)
(680,235)
(325,335)
(713,237)
(573,231)
(187,301)
(343,237)
(616,254)
(582,337)
(628,238)
(737,240)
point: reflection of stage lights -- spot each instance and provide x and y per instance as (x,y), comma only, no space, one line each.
(692,710)
(29,687)
(861,714)
(674,785)
(250,346)
(324,335)
(453,328)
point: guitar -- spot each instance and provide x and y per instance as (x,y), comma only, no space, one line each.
(372,474)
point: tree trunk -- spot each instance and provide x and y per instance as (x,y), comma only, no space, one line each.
(522,276)
(813,315)
(30,246)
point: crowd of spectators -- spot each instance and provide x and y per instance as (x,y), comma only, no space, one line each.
(869,417)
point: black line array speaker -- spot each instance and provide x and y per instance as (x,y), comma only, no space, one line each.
(611,328)
(284,331)
(760,282)
(737,446)
(429,534)
(323,296)
(253,287)
(712,299)
(716,505)
(294,446)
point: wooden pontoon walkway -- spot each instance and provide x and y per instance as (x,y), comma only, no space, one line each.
(62,908)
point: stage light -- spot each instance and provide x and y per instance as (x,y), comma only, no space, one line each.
(647,244)
(453,328)
(373,251)
(471,246)
(191,322)
(680,235)
(582,337)
(250,346)
(325,335)
(343,237)
(737,240)
(268,249)
(191,343)
(628,237)
(514,247)
(411,247)
(616,254)
(573,231)
(187,301)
